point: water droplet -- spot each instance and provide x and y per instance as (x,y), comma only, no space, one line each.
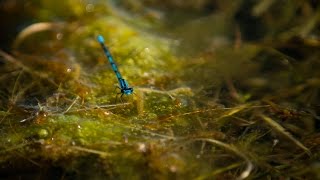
(90,8)
(59,36)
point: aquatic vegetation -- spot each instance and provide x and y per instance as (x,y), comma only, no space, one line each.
(223,89)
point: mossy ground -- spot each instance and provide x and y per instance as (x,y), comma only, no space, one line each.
(223,90)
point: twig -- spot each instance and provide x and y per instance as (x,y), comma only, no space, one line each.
(283,131)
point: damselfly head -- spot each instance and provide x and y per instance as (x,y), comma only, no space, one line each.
(127,91)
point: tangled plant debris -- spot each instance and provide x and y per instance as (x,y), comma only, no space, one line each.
(223,89)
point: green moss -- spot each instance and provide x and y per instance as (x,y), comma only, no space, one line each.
(221,108)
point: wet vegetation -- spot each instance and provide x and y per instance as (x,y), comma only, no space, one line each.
(223,89)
